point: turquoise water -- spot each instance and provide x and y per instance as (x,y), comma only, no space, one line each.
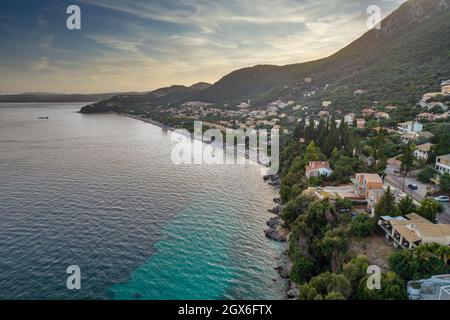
(196,241)
(100,192)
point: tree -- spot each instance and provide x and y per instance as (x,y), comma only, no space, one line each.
(343,204)
(424,262)
(429,208)
(294,208)
(392,288)
(444,253)
(426,174)
(386,205)
(356,269)
(312,153)
(327,285)
(345,167)
(333,245)
(318,216)
(332,140)
(406,206)
(362,226)
(444,183)
(407,159)
(378,147)
(335,295)
(441,146)
(302,267)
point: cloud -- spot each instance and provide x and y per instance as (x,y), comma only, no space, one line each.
(46,41)
(41,64)
(141,45)
(118,43)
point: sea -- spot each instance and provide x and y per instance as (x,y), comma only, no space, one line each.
(101,192)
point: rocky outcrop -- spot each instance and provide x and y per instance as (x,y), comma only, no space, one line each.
(293,291)
(284,270)
(276,210)
(274,180)
(277,233)
(273,222)
(98,108)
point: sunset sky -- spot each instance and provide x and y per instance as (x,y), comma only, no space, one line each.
(137,45)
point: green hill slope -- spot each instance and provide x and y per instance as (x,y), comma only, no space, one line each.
(409,54)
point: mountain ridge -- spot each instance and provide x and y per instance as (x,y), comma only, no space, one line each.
(409,13)
(408,55)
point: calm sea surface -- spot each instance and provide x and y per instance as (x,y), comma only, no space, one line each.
(101,192)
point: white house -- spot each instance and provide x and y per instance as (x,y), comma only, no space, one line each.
(349,119)
(410,126)
(443,164)
(326,104)
(422,151)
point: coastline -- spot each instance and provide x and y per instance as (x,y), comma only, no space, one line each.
(251,155)
(147,120)
(275,231)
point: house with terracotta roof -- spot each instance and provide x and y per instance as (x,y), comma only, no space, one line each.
(412,230)
(390,108)
(369,186)
(428,116)
(382,115)
(318,168)
(323,114)
(369,112)
(367,181)
(360,123)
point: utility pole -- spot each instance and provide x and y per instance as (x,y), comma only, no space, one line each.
(404,177)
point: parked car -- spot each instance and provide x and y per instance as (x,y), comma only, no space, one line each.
(442,199)
(413,186)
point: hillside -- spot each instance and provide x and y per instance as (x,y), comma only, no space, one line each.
(55,97)
(410,53)
(408,56)
(163,96)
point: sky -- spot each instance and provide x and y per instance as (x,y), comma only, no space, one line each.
(142,45)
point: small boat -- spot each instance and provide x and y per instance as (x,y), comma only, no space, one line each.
(43,118)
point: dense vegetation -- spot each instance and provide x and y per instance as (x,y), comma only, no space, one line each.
(148,102)
(322,231)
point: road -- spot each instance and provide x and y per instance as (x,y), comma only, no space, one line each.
(418,194)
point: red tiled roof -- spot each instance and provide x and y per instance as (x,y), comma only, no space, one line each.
(315,165)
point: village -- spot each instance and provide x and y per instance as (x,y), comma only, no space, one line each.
(363,188)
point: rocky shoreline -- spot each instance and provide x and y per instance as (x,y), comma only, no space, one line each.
(278,233)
